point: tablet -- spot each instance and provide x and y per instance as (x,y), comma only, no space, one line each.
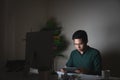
(70,69)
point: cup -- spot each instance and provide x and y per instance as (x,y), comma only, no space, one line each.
(106,74)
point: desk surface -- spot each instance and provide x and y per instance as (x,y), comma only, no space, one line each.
(86,77)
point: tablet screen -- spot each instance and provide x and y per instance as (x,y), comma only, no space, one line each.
(71,69)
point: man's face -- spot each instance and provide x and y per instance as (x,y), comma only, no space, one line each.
(79,44)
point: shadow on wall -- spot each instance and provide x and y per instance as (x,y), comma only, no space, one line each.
(111,61)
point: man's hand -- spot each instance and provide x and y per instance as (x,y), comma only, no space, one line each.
(77,71)
(63,70)
(84,71)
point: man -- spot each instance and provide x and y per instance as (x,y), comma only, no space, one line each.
(85,59)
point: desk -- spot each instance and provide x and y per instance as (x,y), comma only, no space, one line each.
(86,77)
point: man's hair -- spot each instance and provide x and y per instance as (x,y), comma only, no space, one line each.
(80,34)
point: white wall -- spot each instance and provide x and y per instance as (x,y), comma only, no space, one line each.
(101,20)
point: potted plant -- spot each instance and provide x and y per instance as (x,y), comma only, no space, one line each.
(59,42)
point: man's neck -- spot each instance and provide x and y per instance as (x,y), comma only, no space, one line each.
(82,52)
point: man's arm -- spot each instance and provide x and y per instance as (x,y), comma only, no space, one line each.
(97,64)
(68,64)
(70,61)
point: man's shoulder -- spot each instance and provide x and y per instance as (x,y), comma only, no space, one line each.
(74,51)
(94,50)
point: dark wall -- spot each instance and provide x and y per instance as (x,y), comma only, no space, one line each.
(111,61)
(1,32)
(1,24)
